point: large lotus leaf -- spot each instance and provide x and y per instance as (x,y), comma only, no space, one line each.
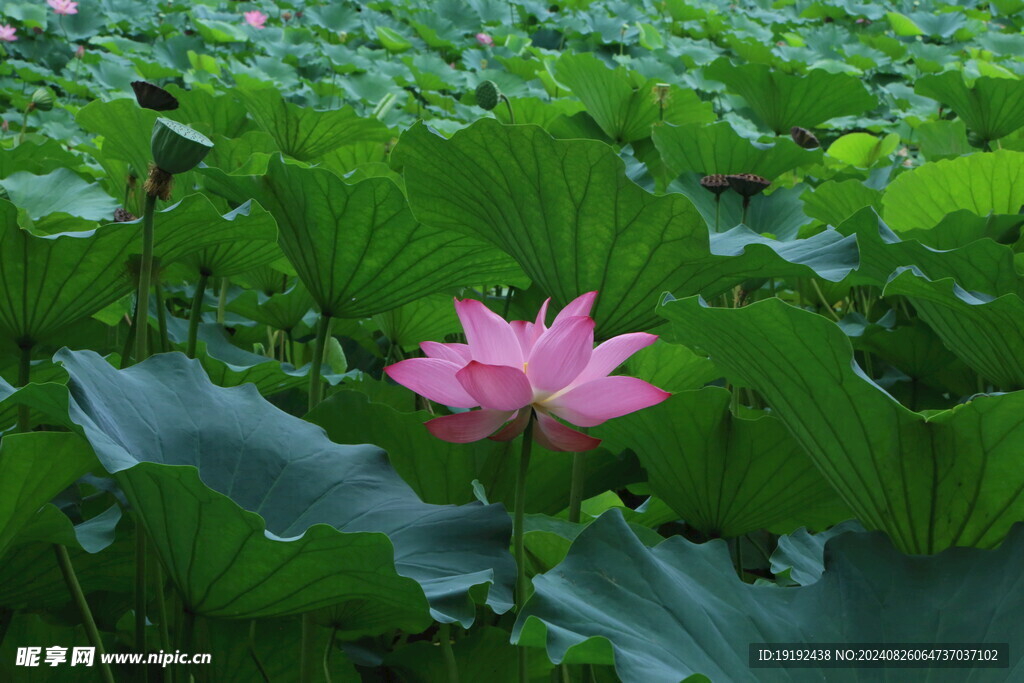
(981,265)
(565,210)
(256,513)
(215,114)
(625,107)
(229,366)
(725,475)
(781,101)
(231,258)
(699,618)
(429,318)
(35,467)
(39,158)
(359,250)
(60,191)
(983,331)
(282,311)
(671,367)
(442,472)
(800,556)
(718,148)
(101,550)
(126,129)
(931,481)
(47,282)
(833,201)
(983,183)
(992,107)
(305,133)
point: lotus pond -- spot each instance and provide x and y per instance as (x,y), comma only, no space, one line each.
(497,341)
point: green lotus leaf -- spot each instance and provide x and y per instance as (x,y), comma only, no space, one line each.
(981,265)
(443,473)
(781,101)
(981,183)
(256,513)
(623,104)
(718,148)
(359,250)
(60,191)
(282,311)
(863,150)
(834,201)
(983,331)
(430,318)
(699,618)
(992,107)
(930,482)
(305,133)
(725,475)
(35,467)
(565,210)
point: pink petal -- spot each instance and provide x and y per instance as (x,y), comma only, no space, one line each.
(491,339)
(612,353)
(513,428)
(433,378)
(496,387)
(555,436)
(524,333)
(602,399)
(455,353)
(561,353)
(466,427)
(581,305)
(542,315)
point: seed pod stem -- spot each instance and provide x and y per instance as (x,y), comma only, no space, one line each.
(145,275)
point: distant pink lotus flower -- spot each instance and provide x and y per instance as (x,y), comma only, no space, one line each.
(255,18)
(514,369)
(8,34)
(63,6)
(484,39)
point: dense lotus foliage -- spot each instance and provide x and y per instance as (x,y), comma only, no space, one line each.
(274,385)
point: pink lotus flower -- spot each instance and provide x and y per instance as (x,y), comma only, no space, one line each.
(63,6)
(8,33)
(255,18)
(484,39)
(514,369)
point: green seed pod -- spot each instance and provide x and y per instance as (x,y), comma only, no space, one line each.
(487,95)
(176,147)
(43,99)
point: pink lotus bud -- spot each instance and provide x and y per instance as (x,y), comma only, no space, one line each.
(484,39)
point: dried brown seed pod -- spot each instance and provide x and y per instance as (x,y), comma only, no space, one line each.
(122,215)
(715,183)
(748,184)
(804,137)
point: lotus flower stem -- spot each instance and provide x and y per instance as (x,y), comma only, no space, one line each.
(195,314)
(161,317)
(140,587)
(315,382)
(576,487)
(718,206)
(24,122)
(141,321)
(511,115)
(161,606)
(824,301)
(222,300)
(522,586)
(327,654)
(444,635)
(68,571)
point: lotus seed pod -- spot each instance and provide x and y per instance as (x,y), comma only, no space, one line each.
(176,147)
(715,183)
(43,99)
(804,137)
(487,95)
(747,184)
(122,215)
